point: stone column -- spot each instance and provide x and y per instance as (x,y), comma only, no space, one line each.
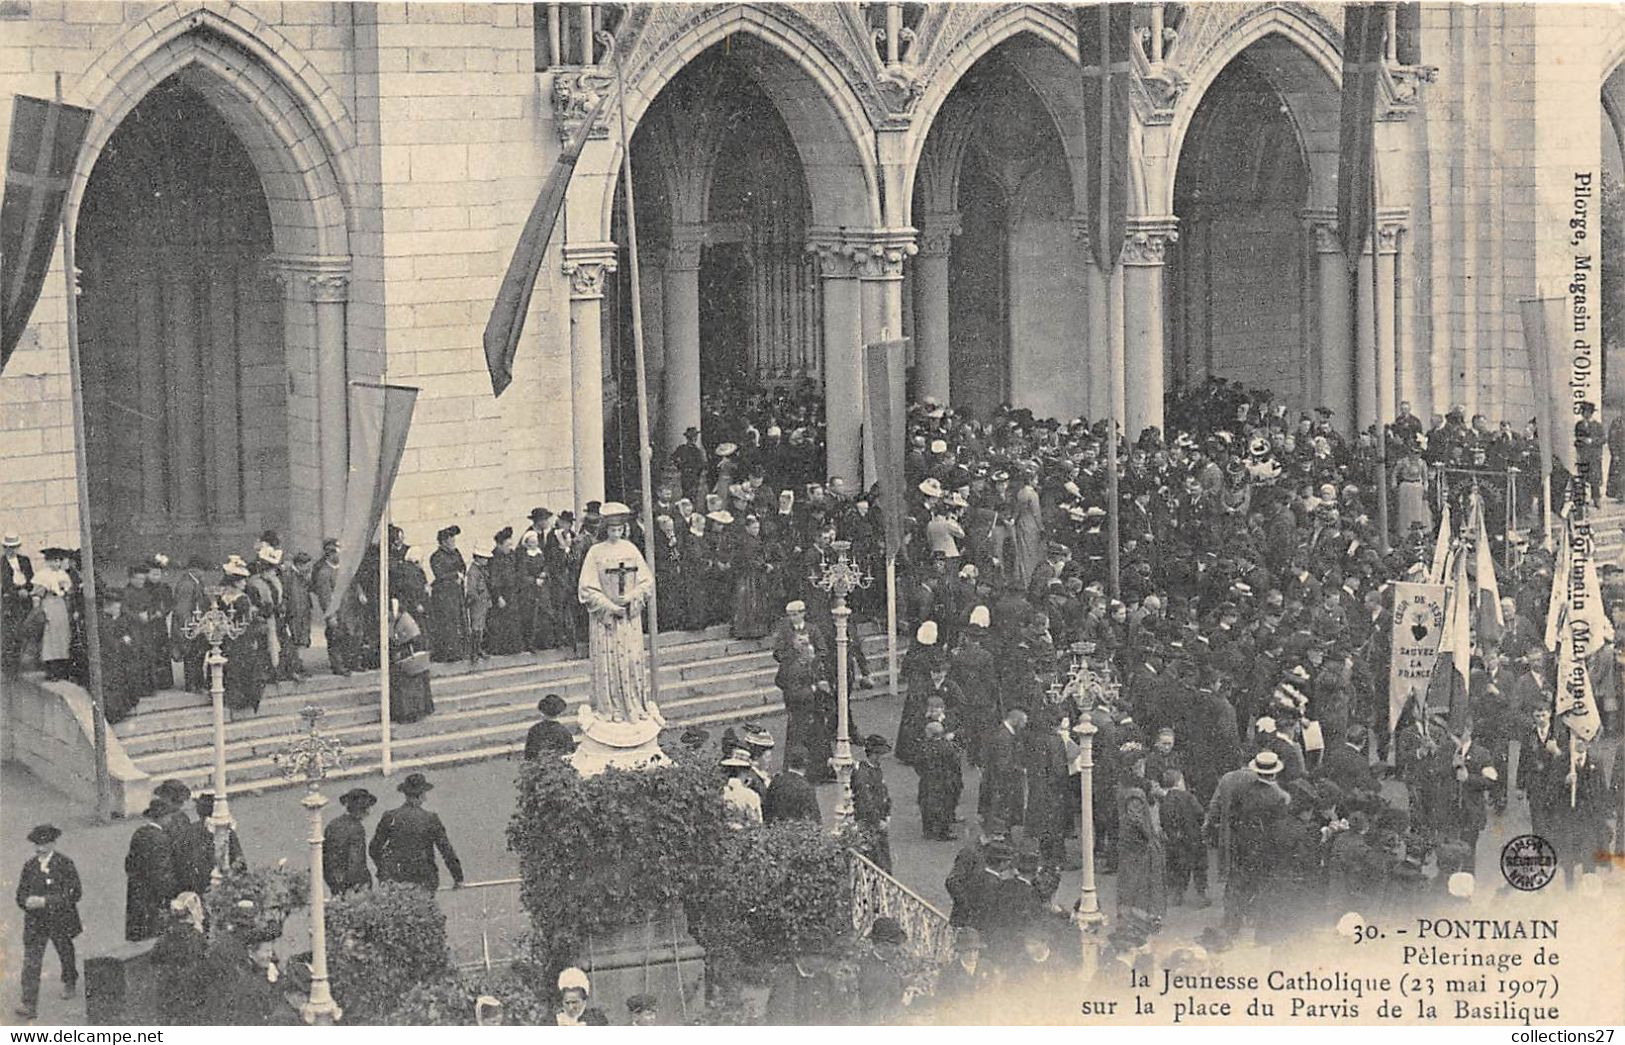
(838,267)
(186,462)
(1366,363)
(1095,351)
(1336,352)
(1144,259)
(1388,232)
(931,323)
(316,293)
(154,505)
(586,264)
(682,331)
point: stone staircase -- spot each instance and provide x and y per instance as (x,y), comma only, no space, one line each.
(1608,531)
(706,678)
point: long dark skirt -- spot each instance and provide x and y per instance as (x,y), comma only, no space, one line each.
(245,674)
(754,612)
(409,695)
(447,630)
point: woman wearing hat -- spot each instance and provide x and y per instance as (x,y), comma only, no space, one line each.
(741,805)
(410,698)
(245,655)
(502,626)
(52,586)
(448,616)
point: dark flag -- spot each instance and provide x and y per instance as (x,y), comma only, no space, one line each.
(507,320)
(44,147)
(380,416)
(883,424)
(1105,37)
(1364,27)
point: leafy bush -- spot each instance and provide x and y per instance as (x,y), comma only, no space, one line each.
(381,943)
(781,892)
(448,1000)
(598,854)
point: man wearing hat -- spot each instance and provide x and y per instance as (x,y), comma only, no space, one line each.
(344,844)
(150,879)
(323,587)
(200,845)
(1219,823)
(791,796)
(48,891)
(191,853)
(871,801)
(549,736)
(879,980)
(16,578)
(404,845)
(689,460)
(643,1010)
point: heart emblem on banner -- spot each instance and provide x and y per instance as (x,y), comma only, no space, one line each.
(1420,631)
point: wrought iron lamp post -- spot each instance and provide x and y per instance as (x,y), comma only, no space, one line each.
(310,758)
(1093,687)
(841,578)
(215,625)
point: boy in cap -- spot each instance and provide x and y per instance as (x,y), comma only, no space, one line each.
(48,891)
(941,782)
(344,844)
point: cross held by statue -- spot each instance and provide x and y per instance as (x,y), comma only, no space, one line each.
(620,573)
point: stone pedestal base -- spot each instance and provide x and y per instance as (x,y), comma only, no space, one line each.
(626,745)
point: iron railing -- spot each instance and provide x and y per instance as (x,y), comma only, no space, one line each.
(876,893)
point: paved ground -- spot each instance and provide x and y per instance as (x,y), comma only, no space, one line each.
(474,801)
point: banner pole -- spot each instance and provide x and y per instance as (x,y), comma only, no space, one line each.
(891,625)
(385,740)
(87,551)
(645,449)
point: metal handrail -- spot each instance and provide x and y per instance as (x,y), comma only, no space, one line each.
(875,893)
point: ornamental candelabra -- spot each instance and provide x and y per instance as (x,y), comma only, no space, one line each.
(841,577)
(215,625)
(1091,688)
(310,758)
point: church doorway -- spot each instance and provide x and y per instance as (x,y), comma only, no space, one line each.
(1236,284)
(181,332)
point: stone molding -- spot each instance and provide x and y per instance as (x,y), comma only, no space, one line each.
(862,254)
(1392,222)
(687,245)
(315,279)
(576,92)
(937,232)
(1146,241)
(587,264)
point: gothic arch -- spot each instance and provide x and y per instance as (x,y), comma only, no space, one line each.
(831,130)
(1047,59)
(1307,74)
(291,122)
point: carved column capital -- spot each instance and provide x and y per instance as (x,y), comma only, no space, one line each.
(937,232)
(576,93)
(312,278)
(862,253)
(1322,226)
(1080,230)
(1391,224)
(587,264)
(687,246)
(1146,240)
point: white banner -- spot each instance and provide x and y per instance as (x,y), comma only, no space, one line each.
(1418,627)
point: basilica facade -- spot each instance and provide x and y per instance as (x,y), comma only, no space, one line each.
(279,198)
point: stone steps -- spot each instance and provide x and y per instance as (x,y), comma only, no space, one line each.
(705,678)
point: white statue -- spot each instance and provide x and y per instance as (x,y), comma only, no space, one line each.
(615,583)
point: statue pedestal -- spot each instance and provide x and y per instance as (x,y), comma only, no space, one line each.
(625,745)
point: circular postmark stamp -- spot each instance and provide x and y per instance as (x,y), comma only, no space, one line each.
(1528,862)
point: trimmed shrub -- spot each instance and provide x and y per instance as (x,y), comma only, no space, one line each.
(381,943)
(448,1001)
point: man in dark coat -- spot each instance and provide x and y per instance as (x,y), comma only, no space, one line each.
(549,736)
(1347,764)
(191,853)
(791,796)
(16,578)
(1185,854)
(871,801)
(323,588)
(150,879)
(1589,439)
(941,782)
(200,843)
(404,845)
(1542,763)
(1002,798)
(48,892)
(344,844)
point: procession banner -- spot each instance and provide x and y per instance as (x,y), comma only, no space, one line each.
(1490,621)
(40,157)
(1105,42)
(380,416)
(1545,321)
(1418,625)
(883,424)
(507,320)
(1363,33)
